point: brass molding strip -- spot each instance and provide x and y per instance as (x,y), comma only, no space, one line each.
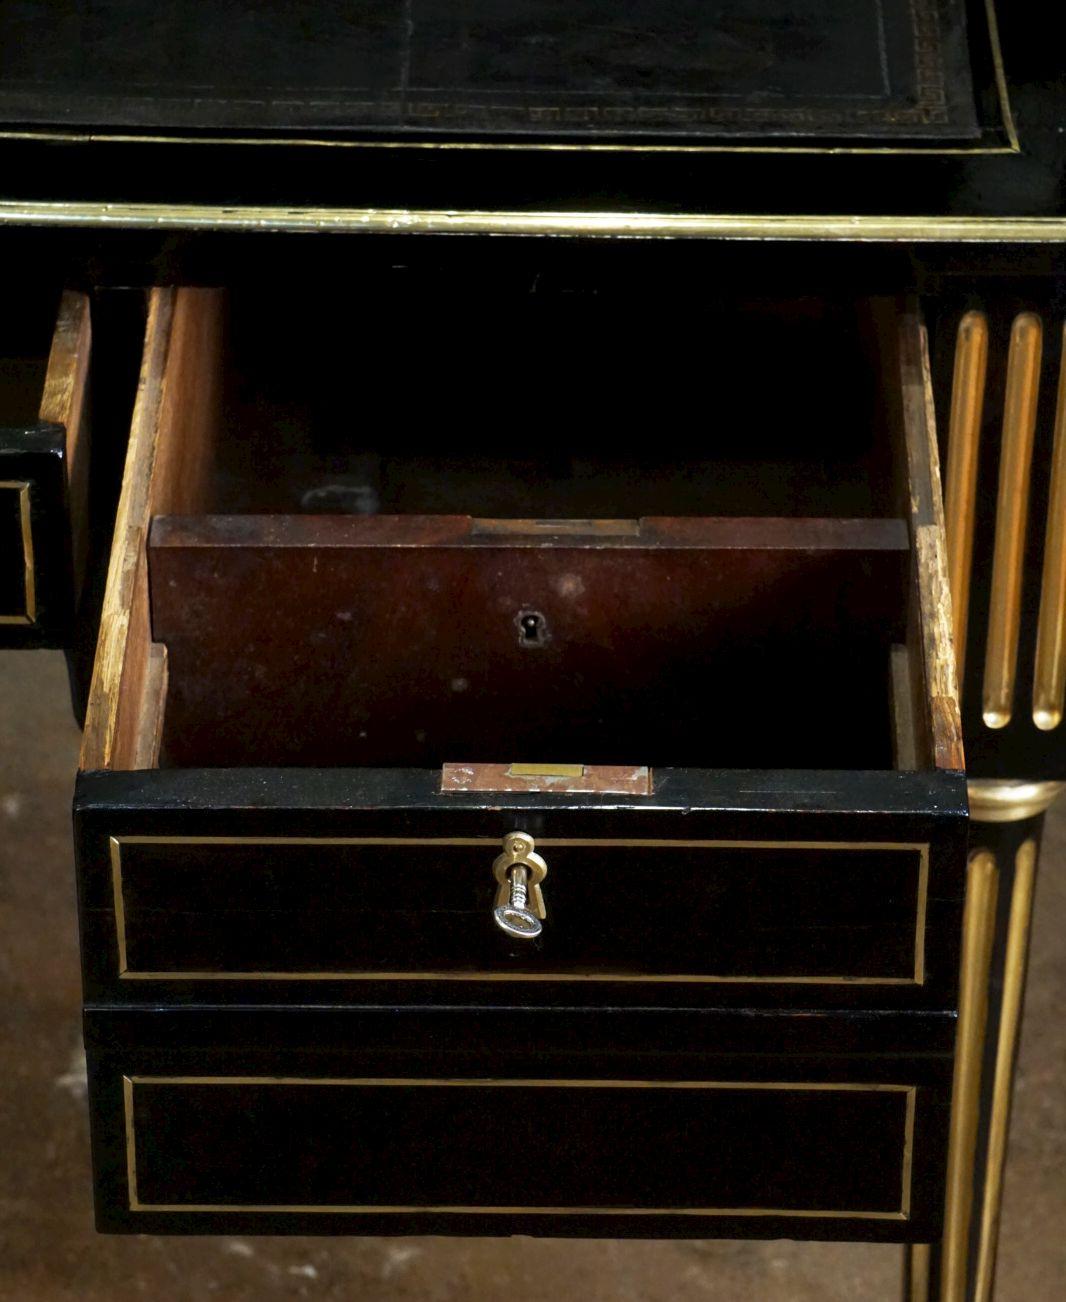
(964,435)
(1012,514)
(907,1156)
(992,801)
(1015,961)
(1049,673)
(1000,73)
(517,146)
(868,228)
(979,924)
(125,973)
(29,577)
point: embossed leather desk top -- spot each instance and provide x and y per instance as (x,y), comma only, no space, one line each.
(569,69)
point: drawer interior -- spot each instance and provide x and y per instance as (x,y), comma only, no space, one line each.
(518,405)
(27,325)
(536,532)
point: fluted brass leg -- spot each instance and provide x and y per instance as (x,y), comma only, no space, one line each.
(978,933)
(1007,820)
(1014,968)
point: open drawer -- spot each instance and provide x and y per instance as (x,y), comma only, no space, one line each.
(44,465)
(340,668)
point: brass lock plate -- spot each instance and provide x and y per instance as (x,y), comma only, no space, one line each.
(607,779)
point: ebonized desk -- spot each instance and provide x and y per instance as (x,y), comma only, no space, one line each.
(678,382)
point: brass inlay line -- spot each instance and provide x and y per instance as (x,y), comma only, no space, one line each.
(504,147)
(125,973)
(1021,912)
(978,925)
(547,771)
(903,1214)
(29,579)
(964,436)
(1012,511)
(1049,675)
(1000,73)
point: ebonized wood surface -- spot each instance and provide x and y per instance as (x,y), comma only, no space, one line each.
(293,1142)
(405,888)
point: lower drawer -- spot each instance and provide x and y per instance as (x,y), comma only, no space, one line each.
(231,1139)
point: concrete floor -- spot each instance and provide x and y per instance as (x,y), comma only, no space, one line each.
(48,1249)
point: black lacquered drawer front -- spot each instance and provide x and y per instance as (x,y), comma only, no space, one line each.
(668,909)
(490,1122)
(353,878)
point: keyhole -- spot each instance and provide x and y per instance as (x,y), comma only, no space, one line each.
(532,628)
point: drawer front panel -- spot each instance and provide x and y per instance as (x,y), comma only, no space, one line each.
(674,910)
(249,885)
(614,1156)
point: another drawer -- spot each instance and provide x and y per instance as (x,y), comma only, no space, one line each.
(44,466)
(191,1135)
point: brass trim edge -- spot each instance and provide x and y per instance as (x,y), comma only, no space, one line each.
(29,575)
(978,927)
(907,1173)
(871,228)
(922,848)
(1000,75)
(1014,965)
(993,801)
(518,146)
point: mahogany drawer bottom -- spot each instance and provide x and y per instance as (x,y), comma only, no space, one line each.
(265,1138)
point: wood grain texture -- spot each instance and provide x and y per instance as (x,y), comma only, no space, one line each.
(65,401)
(418,640)
(166,469)
(926,523)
